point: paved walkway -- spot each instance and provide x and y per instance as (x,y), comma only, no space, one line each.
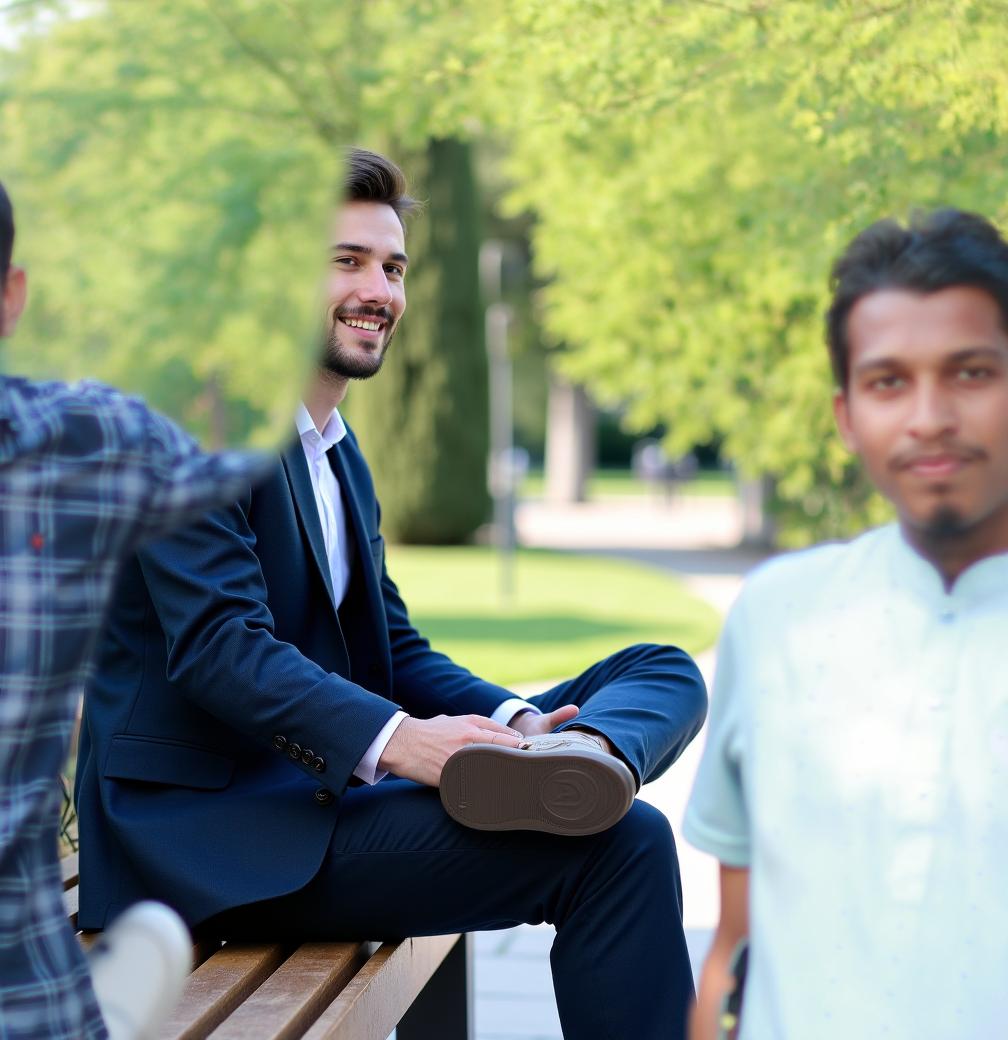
(697,538)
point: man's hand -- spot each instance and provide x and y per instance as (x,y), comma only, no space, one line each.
(419,748)
(532,725)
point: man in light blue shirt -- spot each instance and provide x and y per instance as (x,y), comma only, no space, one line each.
(853,782)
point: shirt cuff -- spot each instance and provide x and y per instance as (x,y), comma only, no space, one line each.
(367,768)
(511,708)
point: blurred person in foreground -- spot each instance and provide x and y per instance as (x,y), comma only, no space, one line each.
(852,785)
(260,675)
(86,474)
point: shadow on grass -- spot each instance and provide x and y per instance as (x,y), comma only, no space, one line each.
(529,628)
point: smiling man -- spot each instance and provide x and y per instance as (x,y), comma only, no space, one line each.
(853,780)
(260,676)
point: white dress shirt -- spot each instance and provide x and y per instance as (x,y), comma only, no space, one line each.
(332,516)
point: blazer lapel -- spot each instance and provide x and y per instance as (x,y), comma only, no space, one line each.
(296,467)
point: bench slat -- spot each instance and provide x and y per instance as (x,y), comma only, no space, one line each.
(71,904)
(378,996)
(287,1003)
(68,868)
(219,985)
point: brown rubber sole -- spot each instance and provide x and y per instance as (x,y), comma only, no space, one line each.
(571,792)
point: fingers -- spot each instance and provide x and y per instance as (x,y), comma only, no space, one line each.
(495,727)
(507,738)
(557,718)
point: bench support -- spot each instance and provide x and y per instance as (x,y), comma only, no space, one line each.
(444,1008)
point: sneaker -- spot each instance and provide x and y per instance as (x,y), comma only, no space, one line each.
(560,783)
(138,968)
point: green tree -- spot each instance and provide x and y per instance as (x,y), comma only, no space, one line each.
(174,206)
(689,168)
(695,166)
(425,415)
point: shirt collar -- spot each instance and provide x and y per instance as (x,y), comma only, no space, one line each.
(332,433)
(980,580)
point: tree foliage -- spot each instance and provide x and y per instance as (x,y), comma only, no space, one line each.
(692,167)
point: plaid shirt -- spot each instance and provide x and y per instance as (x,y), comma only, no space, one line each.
(85,475)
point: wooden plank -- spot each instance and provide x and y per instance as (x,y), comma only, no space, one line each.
(287,1003)
(378,996)
(203,949)
(71,904)
(219,985)
(68,868)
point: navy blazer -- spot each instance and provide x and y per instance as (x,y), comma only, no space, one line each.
(232,700)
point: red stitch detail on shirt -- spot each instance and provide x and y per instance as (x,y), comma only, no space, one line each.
(37,541)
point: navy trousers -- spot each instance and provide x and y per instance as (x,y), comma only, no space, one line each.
(398,865)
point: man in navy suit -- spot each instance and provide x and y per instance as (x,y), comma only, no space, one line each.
(260,675)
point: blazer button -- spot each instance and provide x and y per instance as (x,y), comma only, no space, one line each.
(323,796)
(307,755)
(280,743)
(294,750)
(318,764)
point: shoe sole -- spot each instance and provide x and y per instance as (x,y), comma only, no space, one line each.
(560,792)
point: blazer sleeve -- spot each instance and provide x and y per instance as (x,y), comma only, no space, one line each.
(210,597)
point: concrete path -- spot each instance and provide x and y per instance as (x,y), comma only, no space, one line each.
(697,538)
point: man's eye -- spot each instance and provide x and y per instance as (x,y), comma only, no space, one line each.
(974,374)
(890,382)
(346,261)
(395,269)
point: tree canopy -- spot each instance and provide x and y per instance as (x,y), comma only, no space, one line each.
(692,167)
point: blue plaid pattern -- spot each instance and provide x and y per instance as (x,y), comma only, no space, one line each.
(86,474)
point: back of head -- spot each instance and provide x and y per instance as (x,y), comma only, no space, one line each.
(937,250)
(6,233)
(371,177)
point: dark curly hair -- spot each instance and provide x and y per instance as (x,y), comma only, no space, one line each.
(937,250)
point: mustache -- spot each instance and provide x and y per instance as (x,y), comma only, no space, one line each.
(365,312)
(911,456)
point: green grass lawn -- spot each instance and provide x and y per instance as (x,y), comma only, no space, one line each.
(567,612)
(612,483)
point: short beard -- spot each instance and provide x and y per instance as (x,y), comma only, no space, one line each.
(944,524)
(338,361)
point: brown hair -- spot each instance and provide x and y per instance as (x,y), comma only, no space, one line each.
(371,177)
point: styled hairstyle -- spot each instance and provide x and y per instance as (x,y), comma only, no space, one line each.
(937,250)
(373,178)
(6,233)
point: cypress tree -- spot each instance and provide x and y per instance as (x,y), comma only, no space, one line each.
(422,421)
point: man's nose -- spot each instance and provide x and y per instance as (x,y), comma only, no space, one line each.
(934,411)
(376,288)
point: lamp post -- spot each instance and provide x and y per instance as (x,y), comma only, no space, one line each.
(501,470)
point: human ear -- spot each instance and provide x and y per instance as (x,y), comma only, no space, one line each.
(841,413)
(15,292)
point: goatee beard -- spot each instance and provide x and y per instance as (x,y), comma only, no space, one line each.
(945,523)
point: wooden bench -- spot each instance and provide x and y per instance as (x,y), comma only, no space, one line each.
(337,991)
